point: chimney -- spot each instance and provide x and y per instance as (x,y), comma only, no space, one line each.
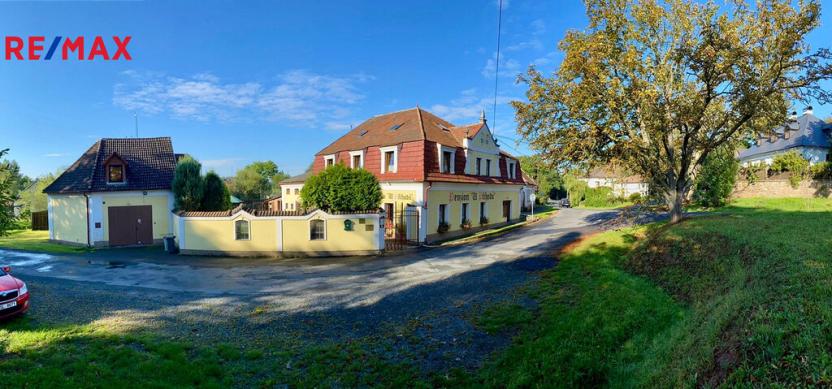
(482,117)
(808,111)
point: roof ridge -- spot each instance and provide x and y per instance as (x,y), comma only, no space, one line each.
(421,123)
(133,138)
(392,112)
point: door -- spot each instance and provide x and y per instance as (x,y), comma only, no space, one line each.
(507,210)
(132,225)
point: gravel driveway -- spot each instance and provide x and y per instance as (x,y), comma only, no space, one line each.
(419,304)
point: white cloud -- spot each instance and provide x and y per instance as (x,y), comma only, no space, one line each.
(508,67)
(469,105)
(56,155)
(299,97)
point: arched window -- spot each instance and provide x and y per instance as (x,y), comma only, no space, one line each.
(241,230)
(317,230)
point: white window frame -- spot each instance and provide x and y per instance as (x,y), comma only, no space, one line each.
(384,150)
(309,230)
(441,150)
(359,153)
(488,167)
(479,166)
(234,229)
(328,158)
(511,169)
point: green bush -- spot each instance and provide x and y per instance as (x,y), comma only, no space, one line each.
(821,171)
(793,163)
(216,196)
(635,198)
(716,179)
(341,189)
(598,197)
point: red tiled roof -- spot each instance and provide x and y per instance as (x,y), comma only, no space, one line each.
(400,127)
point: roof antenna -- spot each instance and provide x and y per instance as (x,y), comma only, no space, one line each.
(136,118)
(497,66)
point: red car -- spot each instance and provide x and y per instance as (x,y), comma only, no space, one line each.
(14,295)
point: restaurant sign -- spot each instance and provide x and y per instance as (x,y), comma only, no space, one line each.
(470,196)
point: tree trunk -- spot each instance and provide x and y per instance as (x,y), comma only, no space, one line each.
(675,199)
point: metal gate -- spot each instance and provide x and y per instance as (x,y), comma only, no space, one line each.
(401,227)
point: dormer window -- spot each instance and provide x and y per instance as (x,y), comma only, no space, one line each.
(447,159)
(114,168)
(329,160)
(115,174)
(357,159)
(389,159)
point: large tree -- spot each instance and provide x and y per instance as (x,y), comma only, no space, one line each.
(659,85)
(258,180)
(8,189)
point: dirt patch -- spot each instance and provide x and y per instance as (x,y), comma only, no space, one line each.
(725,359)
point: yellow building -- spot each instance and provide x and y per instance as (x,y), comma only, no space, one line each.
(118,193)
(438,180)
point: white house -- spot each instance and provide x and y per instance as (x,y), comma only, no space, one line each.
(807,134)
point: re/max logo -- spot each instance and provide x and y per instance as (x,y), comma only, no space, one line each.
(32,48)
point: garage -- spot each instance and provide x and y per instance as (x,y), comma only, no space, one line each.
(130,225)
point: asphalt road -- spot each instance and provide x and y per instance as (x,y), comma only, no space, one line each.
(308,284)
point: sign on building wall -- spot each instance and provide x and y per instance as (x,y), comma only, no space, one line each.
(471,196)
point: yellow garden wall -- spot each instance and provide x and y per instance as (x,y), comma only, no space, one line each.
(208,234)
(279,236)
(69,218)
(361,239)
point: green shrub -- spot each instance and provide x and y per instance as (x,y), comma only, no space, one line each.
(215,194)
(598,197)
(793,163)
(716,179)
(188,185)
(341,189)
(821,171)
(635,198)
(443,227)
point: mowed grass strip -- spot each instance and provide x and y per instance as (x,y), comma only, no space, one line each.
(36,241)
(742,297)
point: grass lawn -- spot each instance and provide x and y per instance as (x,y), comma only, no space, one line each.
(738,298)
(36,241)
(102,355)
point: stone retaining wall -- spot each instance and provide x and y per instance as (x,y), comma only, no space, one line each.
(782,188)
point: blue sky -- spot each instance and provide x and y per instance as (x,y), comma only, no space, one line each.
(234,83)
